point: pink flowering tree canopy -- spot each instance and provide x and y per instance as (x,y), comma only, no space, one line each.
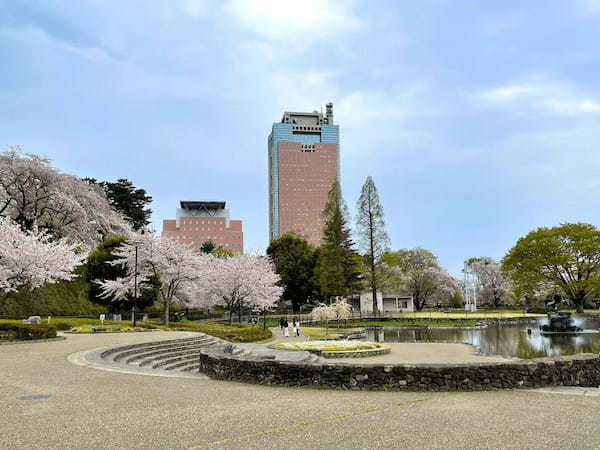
(241,281)
(492,287)
(173,266)
(31,258)
(34,194)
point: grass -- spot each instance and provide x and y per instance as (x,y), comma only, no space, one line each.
(323,332)
(233,333)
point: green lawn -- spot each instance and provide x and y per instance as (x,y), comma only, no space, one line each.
(234,333)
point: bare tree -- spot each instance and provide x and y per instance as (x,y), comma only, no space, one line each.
(372,237)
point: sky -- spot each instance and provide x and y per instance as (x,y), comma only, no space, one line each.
(478,121)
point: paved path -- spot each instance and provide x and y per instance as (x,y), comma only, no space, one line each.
(47,402)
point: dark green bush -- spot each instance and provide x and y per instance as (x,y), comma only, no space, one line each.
(64,298)
(22,331)
(537,310)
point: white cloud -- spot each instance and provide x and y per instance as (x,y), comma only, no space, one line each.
(308,20)
(591,6)
(198,8)
(550,98)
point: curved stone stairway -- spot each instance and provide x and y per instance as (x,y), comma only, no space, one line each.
(182,355)
(174,354)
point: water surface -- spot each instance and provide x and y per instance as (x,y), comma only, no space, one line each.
(509,340)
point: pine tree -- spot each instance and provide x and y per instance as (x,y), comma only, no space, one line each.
(371,233)
(338,265)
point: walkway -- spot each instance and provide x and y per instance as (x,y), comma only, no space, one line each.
(48,402)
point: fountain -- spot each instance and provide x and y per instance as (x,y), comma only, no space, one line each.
(560,322)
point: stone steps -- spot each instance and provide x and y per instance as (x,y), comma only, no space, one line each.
(123,348)
(161,360)
(183,355)
(178,362)
(171,355)
(156,352)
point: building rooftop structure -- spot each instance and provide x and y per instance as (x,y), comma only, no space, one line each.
(199,221)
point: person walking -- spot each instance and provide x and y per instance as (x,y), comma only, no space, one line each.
(281,325)
(286,329)
(297,327)
(294,325)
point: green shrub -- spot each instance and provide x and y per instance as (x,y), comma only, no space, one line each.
(22,331)
(537,310)
(64,298)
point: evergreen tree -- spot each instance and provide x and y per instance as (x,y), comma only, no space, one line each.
(132,203)
(338,266)
(371,233)
(207,247)
(295,259)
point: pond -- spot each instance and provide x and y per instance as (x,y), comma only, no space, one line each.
(507,339)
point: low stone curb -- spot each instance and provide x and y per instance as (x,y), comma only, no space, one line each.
(576,370)
(30,341)
(354,353)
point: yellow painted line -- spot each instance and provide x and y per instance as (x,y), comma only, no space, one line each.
(308,423)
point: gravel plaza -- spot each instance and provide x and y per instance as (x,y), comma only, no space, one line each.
(49,402)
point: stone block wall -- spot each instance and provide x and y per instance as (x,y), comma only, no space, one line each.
(577,370)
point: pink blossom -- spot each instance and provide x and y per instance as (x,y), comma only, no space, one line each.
(32,258)
(238,282)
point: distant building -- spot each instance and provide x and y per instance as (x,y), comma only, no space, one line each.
(386,303)
(200,221)
(303,164)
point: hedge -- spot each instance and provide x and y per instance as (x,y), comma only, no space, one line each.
(22,331)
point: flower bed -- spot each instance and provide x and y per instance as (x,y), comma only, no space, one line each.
(336,349)
(84,330)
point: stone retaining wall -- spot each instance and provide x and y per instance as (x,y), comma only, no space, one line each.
(577,370)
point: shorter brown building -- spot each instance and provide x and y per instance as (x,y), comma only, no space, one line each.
(201,221)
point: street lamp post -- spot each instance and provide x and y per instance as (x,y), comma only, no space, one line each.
(133,323)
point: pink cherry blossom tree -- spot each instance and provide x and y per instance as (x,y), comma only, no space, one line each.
(241,281)
(175,267)
(492,287)
(416,272)
(33,193)
(31,258)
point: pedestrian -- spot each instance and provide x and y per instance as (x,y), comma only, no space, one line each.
(297,327)
(294,325)
(281,325)
(286,329)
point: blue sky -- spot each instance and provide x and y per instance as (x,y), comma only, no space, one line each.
(478,121)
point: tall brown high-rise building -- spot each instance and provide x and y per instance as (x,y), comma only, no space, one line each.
(303,163)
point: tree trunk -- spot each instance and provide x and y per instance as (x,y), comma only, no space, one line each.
(579,300)
(230,315)
(167,313)
(372,263)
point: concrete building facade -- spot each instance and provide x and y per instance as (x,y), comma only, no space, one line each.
(386,303)
(199,221)
(303,163)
